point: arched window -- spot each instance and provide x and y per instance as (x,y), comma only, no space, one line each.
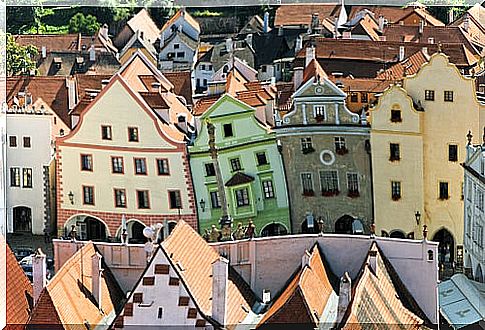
(430,255)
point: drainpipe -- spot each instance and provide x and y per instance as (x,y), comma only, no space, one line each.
(369,153)
(280,150)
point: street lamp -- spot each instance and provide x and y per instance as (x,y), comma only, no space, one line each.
(417,215)
(202,204)
(71,197)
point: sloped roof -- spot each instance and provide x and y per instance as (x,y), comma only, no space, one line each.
(142,21)
(301,13)
(70,293)
(52,42)
(137,41)
(181,13)
(182,83)
(409,66)
(394,14)
(19,293)
(239,178)
(306,295)
(379,290)
(187,247)
(52,90)
(313,69)
(204,103)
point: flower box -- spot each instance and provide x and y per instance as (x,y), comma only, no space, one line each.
(342,151)
(353,194)
(309,193)
(396,197)
(308,150)
(319,118)
(330,193)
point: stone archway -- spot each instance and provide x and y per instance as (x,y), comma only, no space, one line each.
(274,229)
(344,225)
(479,274)
(446,249)
(397,234)
(88,228)
(22,219)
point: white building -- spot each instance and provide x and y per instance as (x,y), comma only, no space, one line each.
(29,155)
(474,192)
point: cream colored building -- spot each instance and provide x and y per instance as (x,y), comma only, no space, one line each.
(418,141)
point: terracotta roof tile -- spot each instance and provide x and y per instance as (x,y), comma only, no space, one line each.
(187,247)
(204,103)
(296,14)
(395,13)
(52,42)
(142,21)
(409,66)
(154,100)
(313,69)
(182,83)
(19,292)
(187,16)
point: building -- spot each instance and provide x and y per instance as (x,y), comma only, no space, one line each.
(474,216)
(473,23)
(250,164)
(417,141)
(29,155)
(141,23)
(326,154)
(126,157)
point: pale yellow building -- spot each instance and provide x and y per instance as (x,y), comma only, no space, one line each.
(418,141)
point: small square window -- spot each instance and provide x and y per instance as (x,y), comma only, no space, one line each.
(202,67)
(26,140)
(453,153)
(175,199)
(236,164)
(364,97)
(106,132)
(264,68)
(86,162)
(88,195)
(143,199)
(395,190)
(120,197)
(15,177)
(180,54)
(228,130)
(162,166)
(394,152)
(429,95)
(354,97)
(396,116)
(27,179)
(306,145)
(140,166)
(176,46)
(448,96)
(133,134)
(117,165)
(12,141)
(209,169)
(261,158)
(210,67)
(444,190)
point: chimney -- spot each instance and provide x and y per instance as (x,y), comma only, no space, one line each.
(344,296)
(280,31)
(156,87)
(451,17)
(430,40)
(104,83)
(425,51)
(44,51)
(298,43)
(96,276)
(266,22)
(220,273)
(266,296)
(401,53)
(373,260)
(315,22)
(249,39)
(39,273)
(297,77)
(310,55)
(103,31)
(92,54)
(381,23)
(421,27)
(466,22)
(305,259)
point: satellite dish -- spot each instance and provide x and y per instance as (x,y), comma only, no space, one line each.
(148,232)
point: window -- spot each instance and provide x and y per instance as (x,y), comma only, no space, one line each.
(396,116)
(204,82)
(319,112)
(177,46)
(228,130)
(236,164)
(329,182)
(242,197)
(307,184)
(133,134)
(264,68)
(354,97)
(27,178)
(444,190)
(117,165)
(202,67)
(306,145)
(453,153)
(106,132)
(340,146)
(482,166)
(15,177)
(26,141)
(160,312)
(142,199)
(12,141)
(448,96)
(180,54)
(175,199)
(261,158)
(364,98)
(140,166)
(210,169)
(470,190)
(429,95)
(479,199)
(162,166)
(210,67)
(268,189)
(88,195)
(215,200)
(120,197)
(353,184)
(395,190)
(86,162)
(394,152)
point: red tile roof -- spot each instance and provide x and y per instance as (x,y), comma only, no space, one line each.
(142,21)
(181,13)
(52,42)
(313,69)
(19,292)
(394,14)
(296,14)
(182,83)
(409,66)
(204,103)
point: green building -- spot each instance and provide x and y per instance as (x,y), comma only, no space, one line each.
(250,165)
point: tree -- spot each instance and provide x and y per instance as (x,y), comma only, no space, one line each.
(20,59)
(87,25)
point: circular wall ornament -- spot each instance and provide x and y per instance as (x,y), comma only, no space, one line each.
(327,157)
(319,89)
(355,119)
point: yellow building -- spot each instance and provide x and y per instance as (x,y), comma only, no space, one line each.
(418,141)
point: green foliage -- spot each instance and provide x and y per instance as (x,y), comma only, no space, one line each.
(20,59)
(206,13)
(87,25)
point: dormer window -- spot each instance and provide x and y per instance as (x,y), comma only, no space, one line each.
(133,134)
(57,62)
(319,111)
(106,132)
(396,116)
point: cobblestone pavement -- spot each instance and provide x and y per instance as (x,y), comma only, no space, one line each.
(30,241)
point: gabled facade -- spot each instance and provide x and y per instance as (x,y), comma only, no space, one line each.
(418,139)
(327,161)
(123,158)
(251,168)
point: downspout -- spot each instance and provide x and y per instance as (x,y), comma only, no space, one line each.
(369,153)
(280,151)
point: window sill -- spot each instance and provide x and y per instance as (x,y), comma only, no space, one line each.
(394,159)
(330,193)
(264,167)
(309,194)
(443,198)
(353,194)
(395,199)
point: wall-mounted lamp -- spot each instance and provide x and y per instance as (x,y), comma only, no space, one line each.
(279,145)
(71,197)
(202,204)
(417,215)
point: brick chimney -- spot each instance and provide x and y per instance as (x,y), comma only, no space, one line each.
(39,273)
(96,276)
(309,55)
(156,86)
(344,296)
(401,53)
(220,273)
(373,260)
(297,77)
(92,54)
